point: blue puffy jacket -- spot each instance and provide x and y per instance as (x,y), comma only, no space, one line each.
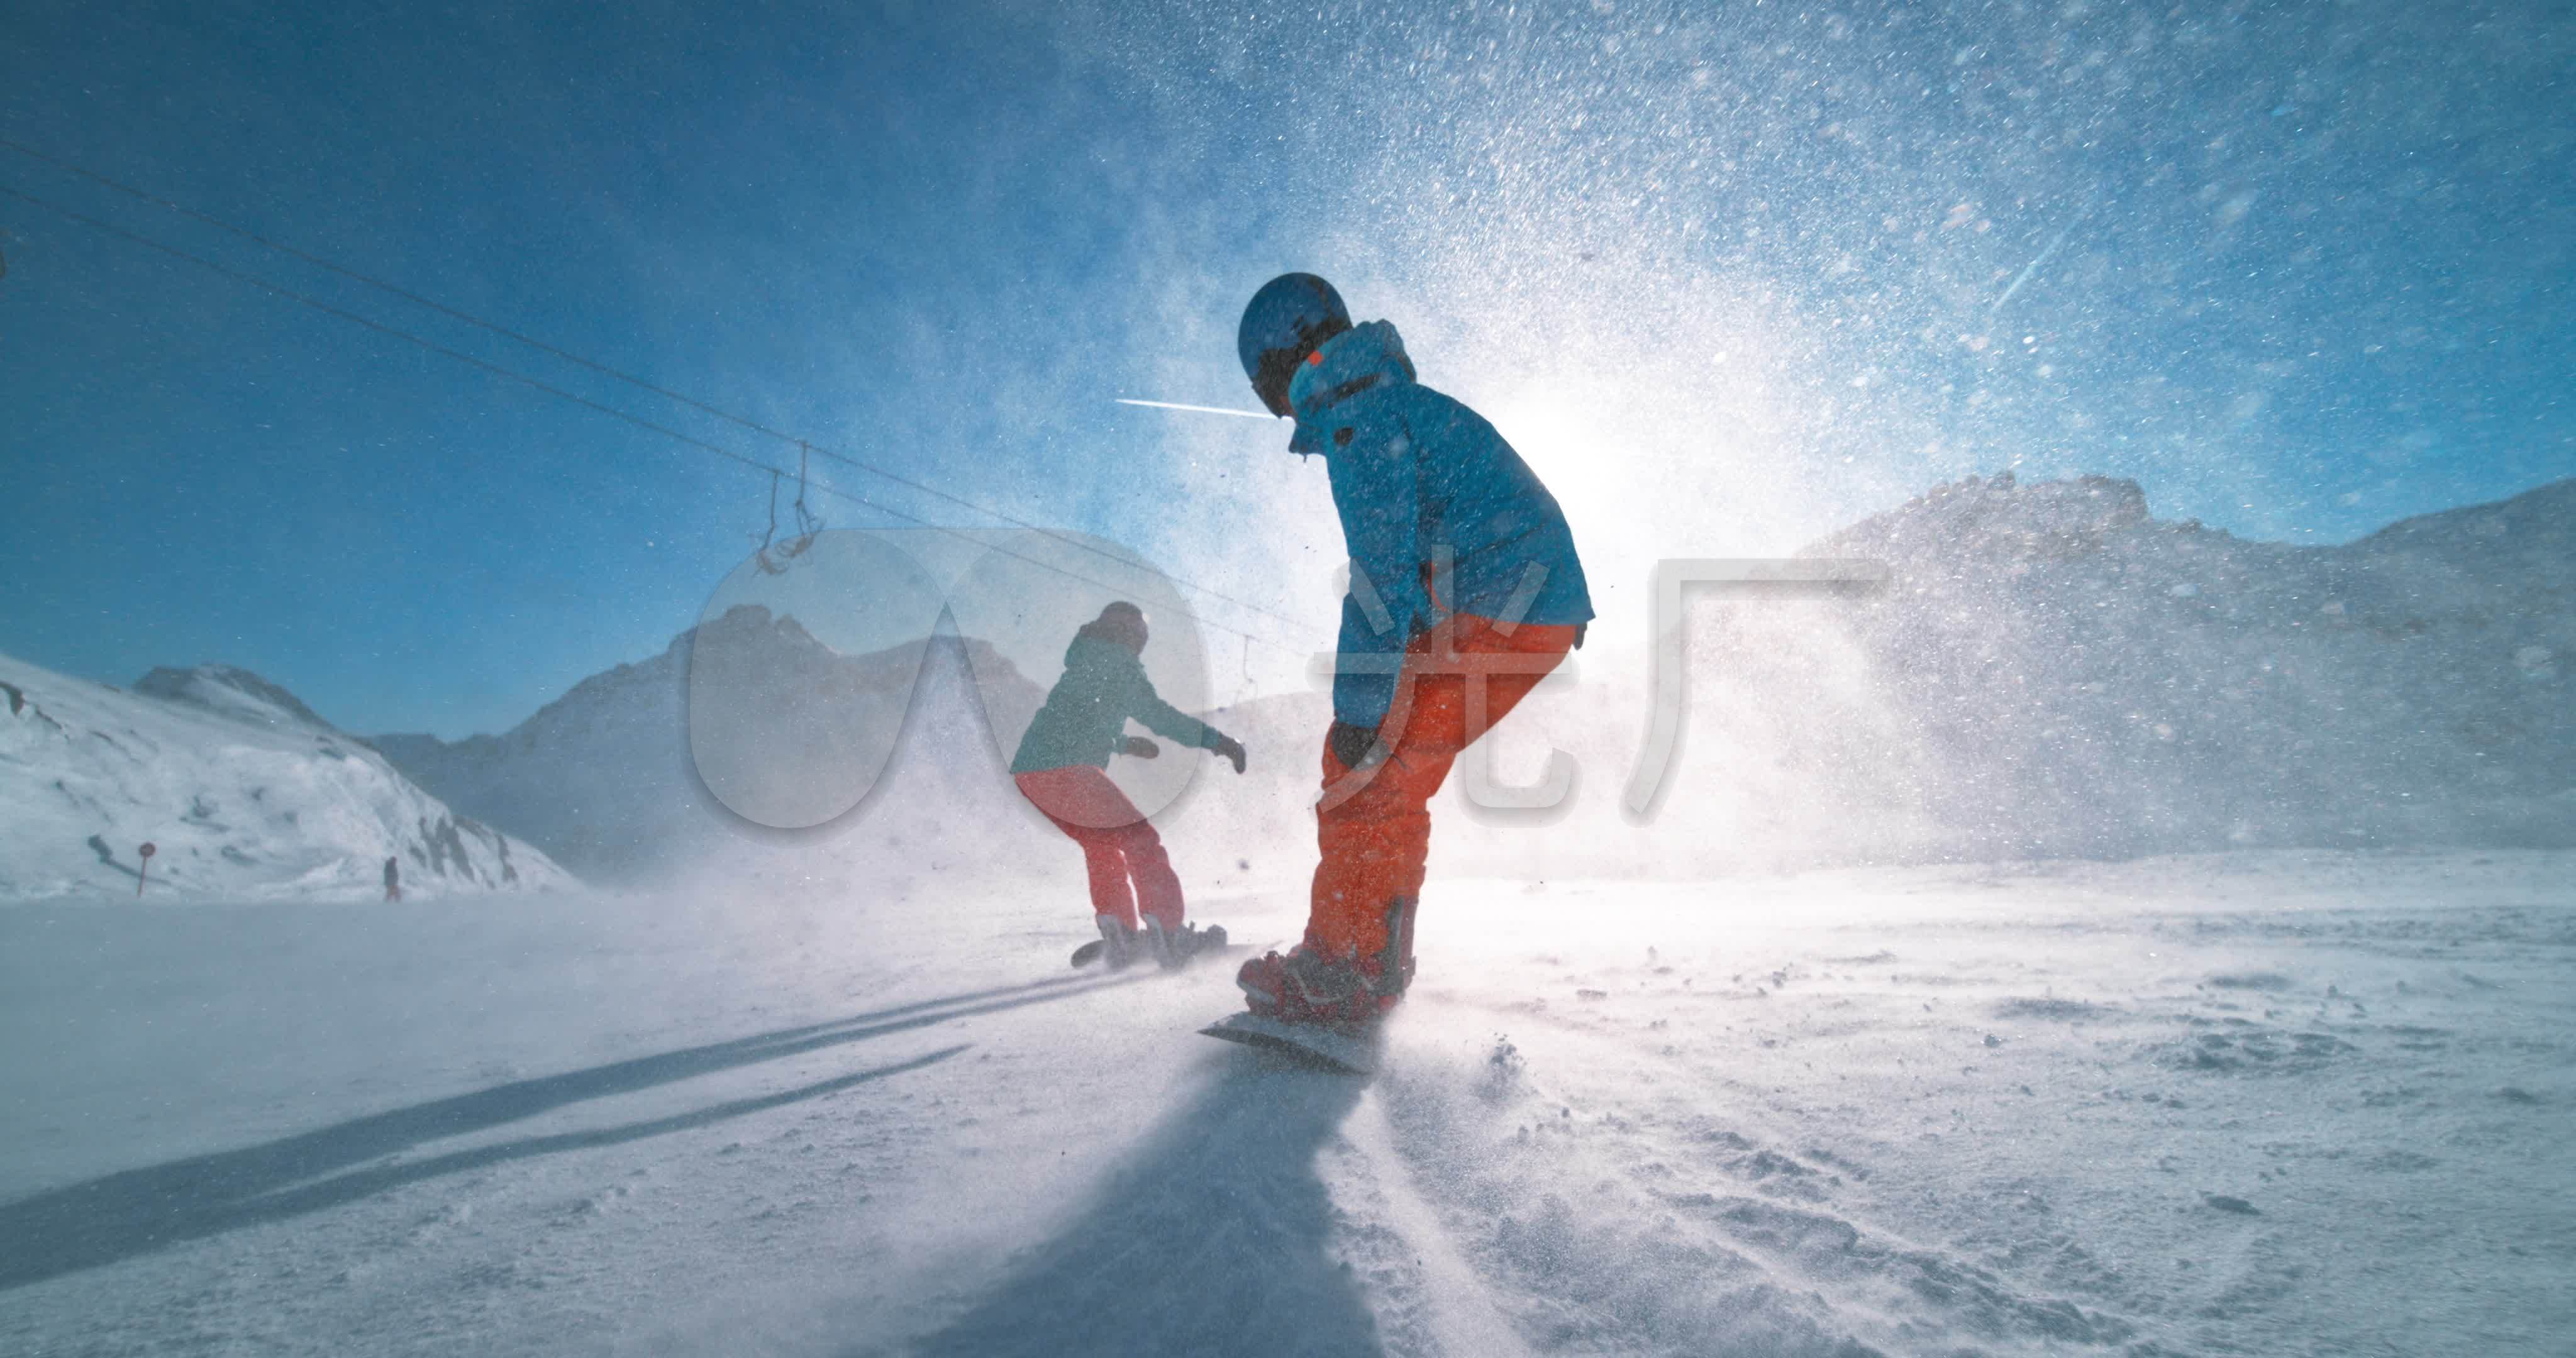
(1415,472)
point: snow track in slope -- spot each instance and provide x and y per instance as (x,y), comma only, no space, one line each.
(1617,1224)
(1425,1290)
(1210,1237)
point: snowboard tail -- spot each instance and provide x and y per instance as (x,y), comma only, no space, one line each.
(1350,1050)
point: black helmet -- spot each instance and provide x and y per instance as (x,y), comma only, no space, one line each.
(1288,319)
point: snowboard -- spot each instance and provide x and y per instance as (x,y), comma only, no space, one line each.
(1351,1051)
(1203,940)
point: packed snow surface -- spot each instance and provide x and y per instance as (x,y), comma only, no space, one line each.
(240,789)
(2257,1102)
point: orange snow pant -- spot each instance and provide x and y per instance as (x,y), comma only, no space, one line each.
(1374,826)
(1118,843)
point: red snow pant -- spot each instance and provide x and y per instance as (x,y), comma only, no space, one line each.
(1118,843)
(1374,827)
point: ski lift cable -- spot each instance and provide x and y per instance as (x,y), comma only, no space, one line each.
(535,384)
(606,371)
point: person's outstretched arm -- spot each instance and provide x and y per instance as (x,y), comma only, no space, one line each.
(1163,719)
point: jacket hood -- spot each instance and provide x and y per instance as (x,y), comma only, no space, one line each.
(1366,357)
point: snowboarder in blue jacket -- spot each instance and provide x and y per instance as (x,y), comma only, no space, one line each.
(1465,591)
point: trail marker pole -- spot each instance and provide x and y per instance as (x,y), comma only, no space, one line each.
(141,873)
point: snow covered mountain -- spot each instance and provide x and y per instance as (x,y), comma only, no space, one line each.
(2053,671)
(604,779)
(242,790)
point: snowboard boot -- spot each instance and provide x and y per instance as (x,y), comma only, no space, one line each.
(1121,944)
(1306,986)
(1174,948)
(1168,947)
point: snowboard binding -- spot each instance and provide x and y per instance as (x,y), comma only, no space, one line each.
(1120,947)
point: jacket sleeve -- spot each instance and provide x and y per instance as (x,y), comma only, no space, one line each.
(1161,718)
(1376,491)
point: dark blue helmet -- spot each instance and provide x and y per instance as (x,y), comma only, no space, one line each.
(1288,319)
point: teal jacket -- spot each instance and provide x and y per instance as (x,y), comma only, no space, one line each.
(1424,485)
(1085,717)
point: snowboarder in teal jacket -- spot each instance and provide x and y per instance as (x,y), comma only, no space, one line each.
(1061,767)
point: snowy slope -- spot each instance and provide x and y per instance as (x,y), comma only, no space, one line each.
(241,789)
(2286,1104)
(605,781)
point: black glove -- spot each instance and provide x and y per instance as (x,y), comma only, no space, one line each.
(1140,747)
(1356,746)
(1227,746)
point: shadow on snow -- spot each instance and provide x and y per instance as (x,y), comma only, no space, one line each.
(1209,1239)
(118,1216)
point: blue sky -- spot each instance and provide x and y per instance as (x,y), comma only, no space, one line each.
(1731,276)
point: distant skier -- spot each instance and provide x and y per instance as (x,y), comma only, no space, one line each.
(1463,574)
(1061,768)
(393,879)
